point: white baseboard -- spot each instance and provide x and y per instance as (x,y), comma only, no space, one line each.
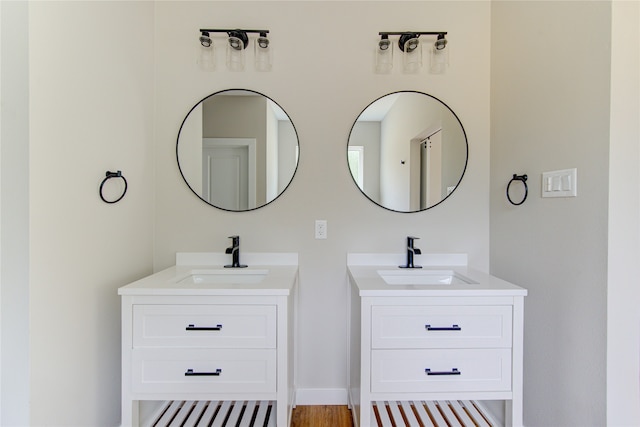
(321,396)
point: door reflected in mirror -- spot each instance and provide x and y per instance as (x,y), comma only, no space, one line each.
(407,151)
(237,150)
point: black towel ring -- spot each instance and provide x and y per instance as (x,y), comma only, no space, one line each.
(110,175)
(522,178)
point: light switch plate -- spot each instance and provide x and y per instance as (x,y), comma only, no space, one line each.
(560,183)
(321,229)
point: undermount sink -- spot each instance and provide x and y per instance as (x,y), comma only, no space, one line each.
(423,277)
(224,275)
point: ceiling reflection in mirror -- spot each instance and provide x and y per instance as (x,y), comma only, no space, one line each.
(407,151)
(237,150)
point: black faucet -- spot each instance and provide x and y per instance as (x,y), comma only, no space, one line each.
(234,250)
(411,251)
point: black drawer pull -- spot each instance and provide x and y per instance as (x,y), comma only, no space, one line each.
(453,371)
(190,373)
(203,328)
(445,328)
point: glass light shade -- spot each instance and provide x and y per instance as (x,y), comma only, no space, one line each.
(235,57)
(439,60)
(412,58)
(262,54)
(384,57)
(206,59)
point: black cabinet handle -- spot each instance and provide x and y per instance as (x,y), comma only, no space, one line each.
(453,371)
(445,328)
(190,373)
(203,328)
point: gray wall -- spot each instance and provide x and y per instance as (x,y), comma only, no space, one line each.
(120,106)
(550,72)
(90,110)
(323,88)
(14,213)
(623,292)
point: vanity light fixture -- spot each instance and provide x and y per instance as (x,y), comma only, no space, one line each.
(238,41)
(410,45)
(441,42)
(205,40)
(262,53)
(384,55)
(439,56)
(237,44)
(412,57)
(206,53)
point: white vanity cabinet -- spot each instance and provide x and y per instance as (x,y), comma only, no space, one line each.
(434,352)
(220,348)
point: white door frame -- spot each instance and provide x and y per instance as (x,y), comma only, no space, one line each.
(250,143)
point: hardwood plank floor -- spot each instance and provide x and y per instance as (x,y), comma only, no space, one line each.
(321,416)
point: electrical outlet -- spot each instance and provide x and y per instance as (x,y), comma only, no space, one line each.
(321,229)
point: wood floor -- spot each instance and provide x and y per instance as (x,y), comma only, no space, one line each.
(321,416)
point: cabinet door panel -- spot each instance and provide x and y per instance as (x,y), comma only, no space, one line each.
(441,326)
(440,370)
(204,326)
(203,371)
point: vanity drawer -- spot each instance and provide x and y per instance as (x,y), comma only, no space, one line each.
(441,326)
(441,370)
(203,371)
(209,326)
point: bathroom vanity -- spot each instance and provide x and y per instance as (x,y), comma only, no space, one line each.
(204,343)
(433,343)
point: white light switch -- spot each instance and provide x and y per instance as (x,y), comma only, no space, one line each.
(561,183)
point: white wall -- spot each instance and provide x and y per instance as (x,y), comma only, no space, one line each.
(323,77)
(91,110)
(271,155)
(367,135)
(190,153)
(623,295)
(287,153)
(14,214)
(400,152)
(550,74)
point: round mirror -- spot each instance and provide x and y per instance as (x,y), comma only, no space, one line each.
(407,151)
(237,150)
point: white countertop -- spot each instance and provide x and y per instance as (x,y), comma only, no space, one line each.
(365,276)
(279,280)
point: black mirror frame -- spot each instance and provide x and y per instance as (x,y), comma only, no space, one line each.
(464,169)
(178,144)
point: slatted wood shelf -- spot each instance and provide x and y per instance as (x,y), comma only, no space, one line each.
(177,413)
(445,413)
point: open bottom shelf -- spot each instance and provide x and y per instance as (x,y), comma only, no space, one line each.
(180,413)
(442,413)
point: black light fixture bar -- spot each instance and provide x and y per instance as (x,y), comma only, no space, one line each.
(420,33)
(237,42)
(233,34)
(405,36)
(213,30)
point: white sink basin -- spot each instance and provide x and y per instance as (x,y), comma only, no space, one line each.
(423,277)
(224,276)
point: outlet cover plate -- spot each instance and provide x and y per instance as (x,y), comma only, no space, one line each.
(321,229)
(560,183)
